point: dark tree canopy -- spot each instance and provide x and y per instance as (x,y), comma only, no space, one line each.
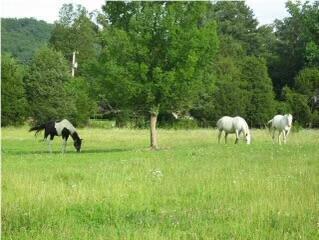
(13,99)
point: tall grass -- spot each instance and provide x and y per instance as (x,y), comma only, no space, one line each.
(193,188)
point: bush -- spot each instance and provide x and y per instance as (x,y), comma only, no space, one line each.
(296,127)
(298,103)
(315,119)
(100,123)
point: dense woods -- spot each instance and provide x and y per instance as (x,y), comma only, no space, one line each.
(22,37)
(139,62)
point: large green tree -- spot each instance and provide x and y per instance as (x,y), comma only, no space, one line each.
(45,85)
(157,56)
(230,96)
(238,26)
(75,32)
(13,99)
(259,87)
(297,44)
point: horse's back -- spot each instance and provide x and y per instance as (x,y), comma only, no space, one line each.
(276,121)
(278,117)
(240,123)
(225,123)
(64,124)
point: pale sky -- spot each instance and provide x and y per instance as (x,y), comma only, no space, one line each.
(266,11)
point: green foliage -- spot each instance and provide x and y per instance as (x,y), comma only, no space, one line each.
(236,20)
(75,31)
(13,99)
(312,54)
(77,89)
(101,123)
(297,43)
(259,85)
(306,88)
(282,107)
(22,37)
(184,124)
(241,84)
(46,87)
(315,119)
(298,106)
(307,81)
(231,96)
(158,56)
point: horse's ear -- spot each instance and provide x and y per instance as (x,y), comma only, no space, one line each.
(82,139)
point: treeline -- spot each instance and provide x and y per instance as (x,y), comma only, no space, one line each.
(139,62)
(22,37)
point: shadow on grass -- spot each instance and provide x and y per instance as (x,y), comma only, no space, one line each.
(112,150)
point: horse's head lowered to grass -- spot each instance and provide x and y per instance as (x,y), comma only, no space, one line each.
(77,144)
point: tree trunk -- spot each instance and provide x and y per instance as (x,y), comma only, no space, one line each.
(154,145)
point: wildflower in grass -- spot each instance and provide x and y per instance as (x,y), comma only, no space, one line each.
(156,173)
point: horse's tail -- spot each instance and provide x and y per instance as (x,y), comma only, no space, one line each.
(268,124)
(37,128)
(218,124)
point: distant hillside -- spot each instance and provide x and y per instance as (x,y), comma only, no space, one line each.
(21,37)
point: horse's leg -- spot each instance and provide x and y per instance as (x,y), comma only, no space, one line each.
(273,135)
(237,136)
(49,139)
(279,135)
(219,135)
(45,136)
(64,145)
(285,136)
(65,136)
(226,134)
(49,144)
(288,131)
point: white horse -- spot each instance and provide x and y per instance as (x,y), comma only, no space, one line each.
(282,124)
(235,125)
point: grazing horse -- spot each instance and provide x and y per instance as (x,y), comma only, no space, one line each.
(282,124)
(235,125)
(63,128)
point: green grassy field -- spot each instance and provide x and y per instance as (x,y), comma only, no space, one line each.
(193,188)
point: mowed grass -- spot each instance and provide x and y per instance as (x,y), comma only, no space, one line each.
(192,188)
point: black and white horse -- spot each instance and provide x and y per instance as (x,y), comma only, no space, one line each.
(63,128)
